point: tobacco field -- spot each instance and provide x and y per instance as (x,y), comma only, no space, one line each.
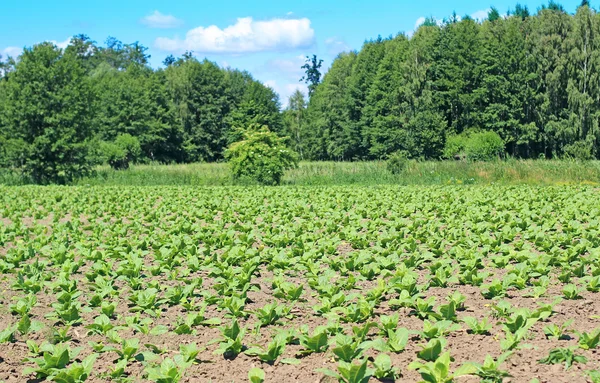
(309,284)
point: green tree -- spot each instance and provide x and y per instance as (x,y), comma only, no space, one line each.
(197,90)
(312,70)
(48,115)
(329,112)
(262,156)
(295,121)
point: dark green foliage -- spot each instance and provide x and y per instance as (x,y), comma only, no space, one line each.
(312,70)
(483,146)
(529,78)
(120,153)
(47,116)
(62,111)
(397,162)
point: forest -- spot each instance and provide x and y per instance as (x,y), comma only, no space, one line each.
(529,78)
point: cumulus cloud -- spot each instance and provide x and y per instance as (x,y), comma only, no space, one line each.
(11,51)
(159,20)
(420,21)
(61,44)
(481,15)
(245,36)
(290,68)
(15,52)
(285,90)
(336,45)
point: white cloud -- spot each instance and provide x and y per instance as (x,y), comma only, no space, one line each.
(61,44)
(336,45)
(480,15)
(290,68)
(245,36)
(285,90)
(13,52)
(158,20)
(420,21)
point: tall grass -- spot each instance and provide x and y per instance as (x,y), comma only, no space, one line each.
(534,172)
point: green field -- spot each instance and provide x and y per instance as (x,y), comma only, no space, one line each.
(192,284)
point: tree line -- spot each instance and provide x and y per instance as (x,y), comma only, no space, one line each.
(525,82)
(531,79)
(62,111)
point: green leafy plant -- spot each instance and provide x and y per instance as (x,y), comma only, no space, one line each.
(438,371)
(571,292)
(554,331)
(482,327)
(589,341)
(269,354)
(490,371)
(261,156)
(169,371)
(256,375)
(563,355)
(315,343)
(349,372)
(383,368)
(231,342)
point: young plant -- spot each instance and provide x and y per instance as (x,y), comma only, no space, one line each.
(315,343)
(54,358)
(571,292)
(269,355)
(349,372)
(256,375)
(490,371)
(482,327)
(563,355)
(231,342)
(553,331)
(437,329)
(169,371)
(438,371)
(589,341)
(383,369)
(493,290)
(432,350)
(347,348)
(76,372)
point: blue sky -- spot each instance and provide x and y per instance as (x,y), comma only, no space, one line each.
(267,38)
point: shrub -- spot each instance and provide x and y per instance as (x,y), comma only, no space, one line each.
(397,162)
(475,146)
(580,150)
(484,146)
(455,146)
(120,153)
(261,156)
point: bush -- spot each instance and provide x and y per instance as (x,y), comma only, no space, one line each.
(580,150)
(120,153)
(455,146)
(484,146)
(262,157)
(475,146)
(397,162)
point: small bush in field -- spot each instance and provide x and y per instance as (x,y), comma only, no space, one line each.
(261,156)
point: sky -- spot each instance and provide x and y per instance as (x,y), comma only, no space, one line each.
(270,39)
